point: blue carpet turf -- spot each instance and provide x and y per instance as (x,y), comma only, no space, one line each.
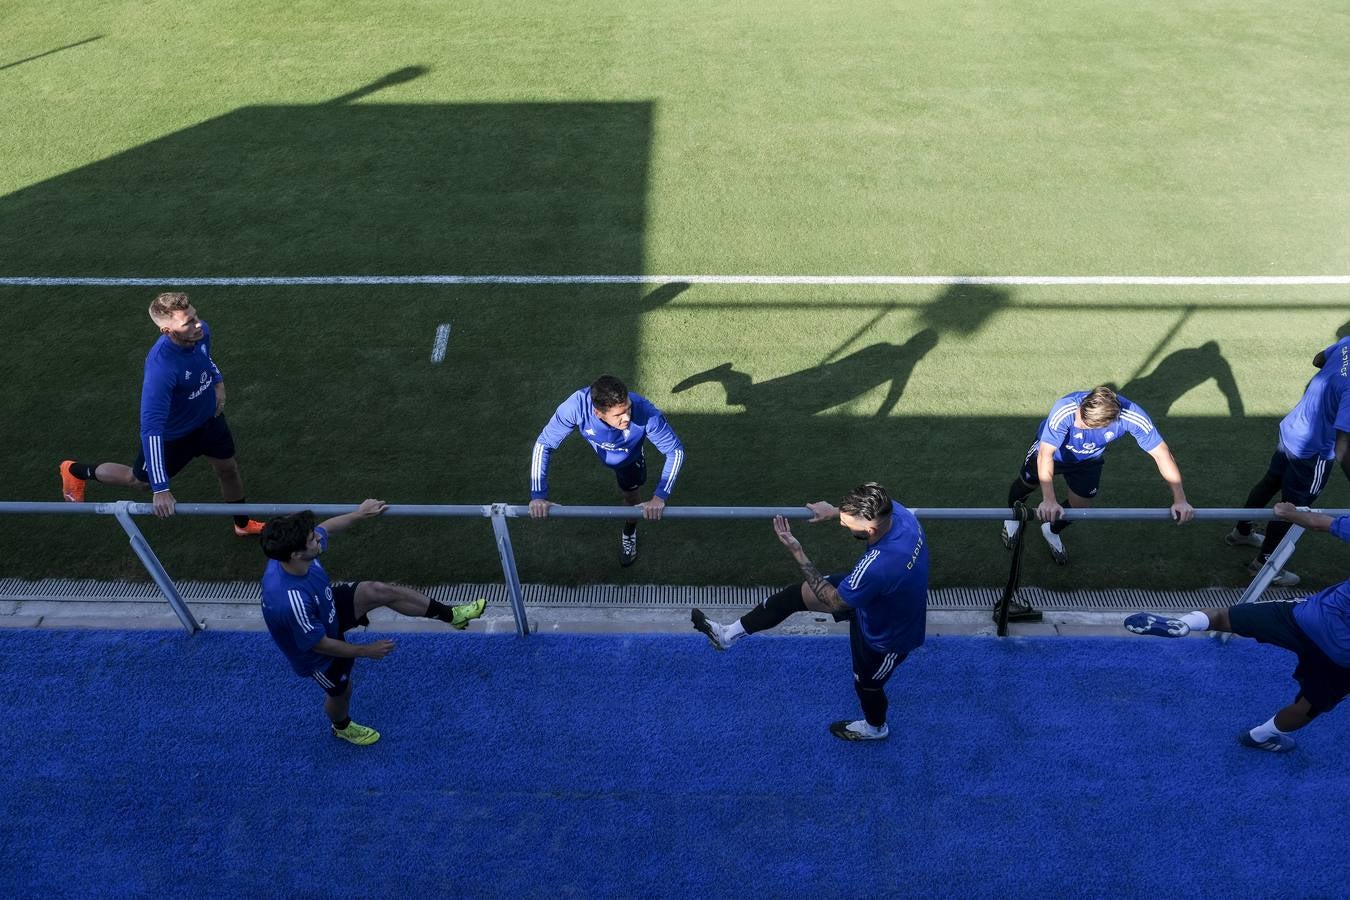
(586,766)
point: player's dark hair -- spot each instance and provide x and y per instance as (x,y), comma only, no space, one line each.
(1100,407)
(285,535)
(608,392)
(867,501)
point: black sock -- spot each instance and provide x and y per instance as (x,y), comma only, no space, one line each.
(1019,490)
(241,521)
(438,610)
(774,609)
(343,724)
(83,471)
(629,529)
(1060,524)
(873,700)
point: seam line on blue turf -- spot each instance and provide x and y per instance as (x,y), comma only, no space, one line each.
(934,280)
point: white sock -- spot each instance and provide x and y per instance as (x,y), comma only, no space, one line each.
(862,726)
(1197,620)
(733,632)
(1265,732)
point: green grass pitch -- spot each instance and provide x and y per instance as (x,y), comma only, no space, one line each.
(250,138)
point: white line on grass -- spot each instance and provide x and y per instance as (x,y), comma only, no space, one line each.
(937,280)
(442,339)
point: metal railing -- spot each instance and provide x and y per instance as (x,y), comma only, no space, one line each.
(123,511)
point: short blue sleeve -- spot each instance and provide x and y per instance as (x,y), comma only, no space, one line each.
(856,589)
(1340,527)
(305,620)
(1056,425)
(1140,426)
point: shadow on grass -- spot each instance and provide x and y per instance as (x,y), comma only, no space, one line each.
(36,56)
(348,186)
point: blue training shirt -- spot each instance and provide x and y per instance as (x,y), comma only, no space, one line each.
(178,396)
(1309,431)
(299,612)
(1073,444)
(1325,616)
(888,587)
(615,448)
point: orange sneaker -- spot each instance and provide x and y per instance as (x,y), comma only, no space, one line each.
(253,527)
(72,488)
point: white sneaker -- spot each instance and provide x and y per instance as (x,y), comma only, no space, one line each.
(1057,550)
(715,632)
(859,731)
(1283,578)
(1236,538)
(1010,527)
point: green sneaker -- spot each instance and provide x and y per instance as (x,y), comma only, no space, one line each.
(357,734)
(465,614)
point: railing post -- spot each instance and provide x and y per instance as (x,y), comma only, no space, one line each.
(1274,563)
(503,535)
(141,547)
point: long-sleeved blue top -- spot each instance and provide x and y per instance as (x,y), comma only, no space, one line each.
(177,397)
(614,447)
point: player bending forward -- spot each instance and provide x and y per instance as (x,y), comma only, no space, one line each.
(1316,630)
(308,615)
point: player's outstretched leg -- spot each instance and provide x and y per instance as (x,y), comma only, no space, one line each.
(715,632)
(74,475)
(414,604)
(1156,624)
(1163,625)
(770,612)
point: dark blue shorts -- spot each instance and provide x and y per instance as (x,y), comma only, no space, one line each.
(1082,478)
(1301,480)
(871,667)
(632,474)
(1320,681)
(212,439)
(336,678)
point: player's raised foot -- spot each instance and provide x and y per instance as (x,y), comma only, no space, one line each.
(1236,538)
(72,488)
(1162,626)
(628,549)
(462,615)
(859,731)
(713,631)
(1276,743)
(1010,527)
(1057,551)
(1283,578)
(254,527)
(356,734)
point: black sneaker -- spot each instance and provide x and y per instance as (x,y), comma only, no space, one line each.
(628,550)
